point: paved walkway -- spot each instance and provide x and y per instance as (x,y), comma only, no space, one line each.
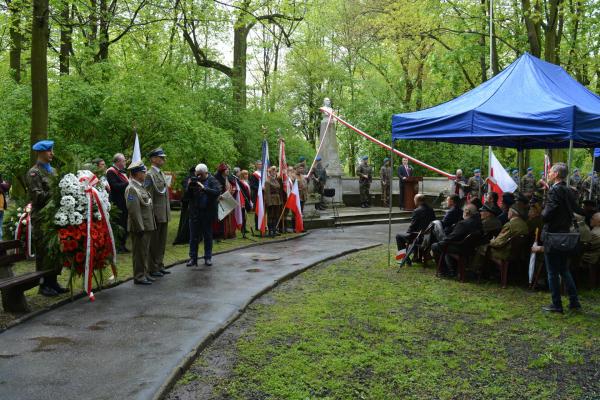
(132,339)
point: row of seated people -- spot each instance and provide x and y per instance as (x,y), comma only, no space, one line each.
(478,236)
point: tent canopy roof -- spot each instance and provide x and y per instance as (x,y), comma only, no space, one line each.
(531,104)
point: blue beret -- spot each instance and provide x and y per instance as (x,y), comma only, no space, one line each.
(43,145)
(318,158)
(386,159)
(302,158)
(529,169)
(515,171)
(365,157)
(576,170)
(476,171)
(157,153)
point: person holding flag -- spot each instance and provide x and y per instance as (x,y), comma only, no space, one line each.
(273,193)
(261,215)
(294,202)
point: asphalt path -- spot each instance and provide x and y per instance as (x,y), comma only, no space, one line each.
(132,342)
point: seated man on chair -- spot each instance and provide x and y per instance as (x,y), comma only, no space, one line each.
(516,226)
(591,253)
(421,217)
(471,224)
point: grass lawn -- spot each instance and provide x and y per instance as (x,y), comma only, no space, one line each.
(173,254)
(354,329)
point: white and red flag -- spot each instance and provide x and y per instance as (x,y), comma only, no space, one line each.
(499,180)
(260,204)
(547,166)
(239,218)
(293,203)
(400,255)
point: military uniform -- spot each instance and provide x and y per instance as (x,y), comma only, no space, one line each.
(498,246)
(319,181)
(385,174)
(475,183)
(365,177)
(273,202)
(39,183)
(141,224)
(528,184)
(593,188)
(156,185)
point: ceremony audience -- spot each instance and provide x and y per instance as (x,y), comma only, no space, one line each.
(422,216)
(226,228)
(118,181)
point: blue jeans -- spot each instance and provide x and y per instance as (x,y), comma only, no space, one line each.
(557,264)
(1,221)
(201,225)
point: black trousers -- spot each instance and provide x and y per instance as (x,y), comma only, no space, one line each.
(201,226)
(403,238)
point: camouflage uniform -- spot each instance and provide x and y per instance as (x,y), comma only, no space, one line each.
(364,183)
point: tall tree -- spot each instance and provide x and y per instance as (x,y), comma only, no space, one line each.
(14,9)
(39,72)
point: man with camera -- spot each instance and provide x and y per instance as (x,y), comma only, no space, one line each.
(202,194)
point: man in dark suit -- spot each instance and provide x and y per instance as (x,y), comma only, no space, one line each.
(422,216)
(471,223)
(404,171)
(116,176)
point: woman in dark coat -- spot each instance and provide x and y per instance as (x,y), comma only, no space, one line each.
(183,231)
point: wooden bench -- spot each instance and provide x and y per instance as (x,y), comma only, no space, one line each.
(11,286)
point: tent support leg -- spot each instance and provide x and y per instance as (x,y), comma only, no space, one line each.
(391,197)
(481,167)
(519,167)
(569,160)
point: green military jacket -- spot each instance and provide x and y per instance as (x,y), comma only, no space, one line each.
(39,182)
(156,184)
(592,253)
(273,192)
(528,184)
(474,185)
(499,245)
(385,173)
(364,170)
(139,208)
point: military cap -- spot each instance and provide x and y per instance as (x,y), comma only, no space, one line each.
(136,166)
(301,159)
(476,171)
(386,159)
(365,158)
(157,153)
(519,210)
(43,145)
(529,169)
(318,158)
(514,171)
(486,208)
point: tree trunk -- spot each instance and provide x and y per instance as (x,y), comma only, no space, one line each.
(15,40)
(238,78)
(533,28)
(103,42)
(66,43)
(483,48)
(39,72)
(552,39)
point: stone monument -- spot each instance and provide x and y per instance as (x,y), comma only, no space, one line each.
(330,154)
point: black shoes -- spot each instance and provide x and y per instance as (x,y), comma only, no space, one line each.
(164,271)
(575,307)
(142,282)
(552,308)
(57,288)
(156,274)
(47,291)
(192,263)
(208,262)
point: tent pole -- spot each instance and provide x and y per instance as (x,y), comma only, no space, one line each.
(390,204)
(481,167)
(569,159)
(519,166)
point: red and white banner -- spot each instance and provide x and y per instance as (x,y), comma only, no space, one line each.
(239,218)
(93,197)
(499,180)
(547,166)
(400,255)
(25,221)
(293,203)
(260,204)
(283,167)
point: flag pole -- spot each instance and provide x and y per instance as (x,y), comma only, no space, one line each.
(569,160)
(481,169)
(390,205)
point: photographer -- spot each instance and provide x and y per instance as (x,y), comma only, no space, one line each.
(202,194)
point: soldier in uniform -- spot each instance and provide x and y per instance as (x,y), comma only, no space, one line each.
(39,183)
(302,184)
(515,175)
(140,222)
(385,174)
(476,184)
(591,187)
(365,177)
(156,185)
(528,183)
(319,177)
(273,199)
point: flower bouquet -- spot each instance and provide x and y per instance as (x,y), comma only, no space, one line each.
(82,220)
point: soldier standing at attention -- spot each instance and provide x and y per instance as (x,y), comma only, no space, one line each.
(140,222)
(319,176)
(365,177)
(156,184)
(476,184)
(528,183)
(39,179)
(386,181)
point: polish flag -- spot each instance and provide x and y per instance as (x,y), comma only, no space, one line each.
(293,203)
(283,167)
(547,166)
(400,255)
(260,205)
(499,180)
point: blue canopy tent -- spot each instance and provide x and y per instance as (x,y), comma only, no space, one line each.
(532,104)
